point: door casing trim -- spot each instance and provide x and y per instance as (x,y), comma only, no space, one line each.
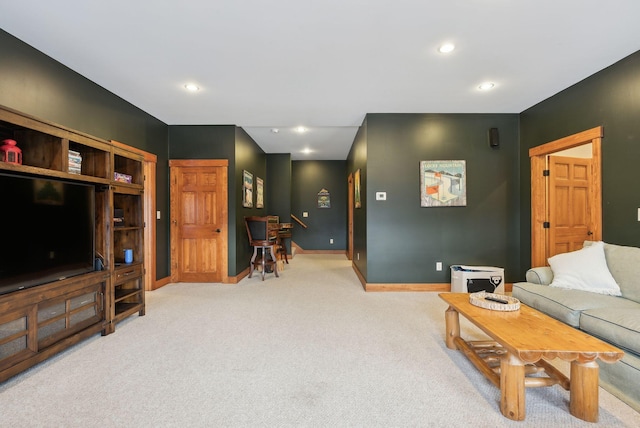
(538,155)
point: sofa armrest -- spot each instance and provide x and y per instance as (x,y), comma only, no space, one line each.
(540,275)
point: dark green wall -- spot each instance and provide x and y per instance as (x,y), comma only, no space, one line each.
(234,144)
(405,240)
(249,157)
(278,185)
(610,98)
(35,84)
(278,188)
(308,179)
(209,142)
(202,142)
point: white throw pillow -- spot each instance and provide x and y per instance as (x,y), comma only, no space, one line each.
(585,269)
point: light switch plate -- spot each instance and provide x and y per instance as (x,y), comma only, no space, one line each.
(305,214)
(381,196)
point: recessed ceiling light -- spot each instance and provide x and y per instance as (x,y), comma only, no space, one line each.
(275,130)
(301,129)
(307,151)
(191,87)
(486,86)
(446,48)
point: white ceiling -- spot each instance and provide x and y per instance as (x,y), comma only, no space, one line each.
(324,64)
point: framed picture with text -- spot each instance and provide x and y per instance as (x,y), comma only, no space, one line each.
(259,193)
(356,189)
(443,183)
(247,189)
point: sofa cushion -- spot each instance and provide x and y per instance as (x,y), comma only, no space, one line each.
(618,326)
(565,305)
(585,269)
(621,379)
(624,265)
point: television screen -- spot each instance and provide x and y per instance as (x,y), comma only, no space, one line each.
(47,230)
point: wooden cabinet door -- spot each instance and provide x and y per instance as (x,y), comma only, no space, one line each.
(199,221)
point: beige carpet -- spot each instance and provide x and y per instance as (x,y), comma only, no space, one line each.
(310,349)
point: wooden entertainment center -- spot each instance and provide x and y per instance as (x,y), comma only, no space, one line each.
(42,320)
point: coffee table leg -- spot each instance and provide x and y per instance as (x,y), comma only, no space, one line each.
(512,390)
(583,389)
(452,325)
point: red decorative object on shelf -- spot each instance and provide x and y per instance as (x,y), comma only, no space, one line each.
(10,153)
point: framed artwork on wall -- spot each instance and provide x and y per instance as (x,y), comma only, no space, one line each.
(356,189)
(443,183)
(259,193)
(324,198)
(247,189)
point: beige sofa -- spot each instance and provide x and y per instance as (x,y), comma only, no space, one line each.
(614,319)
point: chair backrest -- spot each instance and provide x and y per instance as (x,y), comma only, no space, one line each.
(257,228)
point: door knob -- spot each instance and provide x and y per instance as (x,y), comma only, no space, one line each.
(589,233)
(218,230)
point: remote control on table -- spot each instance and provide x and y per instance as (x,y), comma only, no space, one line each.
(495,299)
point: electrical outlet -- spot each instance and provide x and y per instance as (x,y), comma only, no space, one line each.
(438,266)
(357,256)
(157,215)
(331,241)
(305,214)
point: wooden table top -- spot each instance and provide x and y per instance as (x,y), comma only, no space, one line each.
(532,335)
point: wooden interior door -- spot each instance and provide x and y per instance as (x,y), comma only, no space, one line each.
(570,222)
(541,201)
(199,230)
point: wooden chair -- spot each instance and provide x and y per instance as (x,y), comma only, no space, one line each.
(284,233)
(261,238)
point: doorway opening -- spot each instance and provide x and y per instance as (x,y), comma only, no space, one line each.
(549,205)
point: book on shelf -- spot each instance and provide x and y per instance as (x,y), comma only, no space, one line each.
(75,162)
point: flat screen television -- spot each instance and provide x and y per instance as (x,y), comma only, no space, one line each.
(47,230)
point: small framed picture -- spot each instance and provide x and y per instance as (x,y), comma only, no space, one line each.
(324,199)
(358,202)
(259,193)
(247,189)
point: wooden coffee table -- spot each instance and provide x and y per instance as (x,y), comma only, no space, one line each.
(523,343)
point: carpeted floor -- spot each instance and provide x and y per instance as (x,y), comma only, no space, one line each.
(309,349)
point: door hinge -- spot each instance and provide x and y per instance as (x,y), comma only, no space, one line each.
(546,225)
(545,173)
